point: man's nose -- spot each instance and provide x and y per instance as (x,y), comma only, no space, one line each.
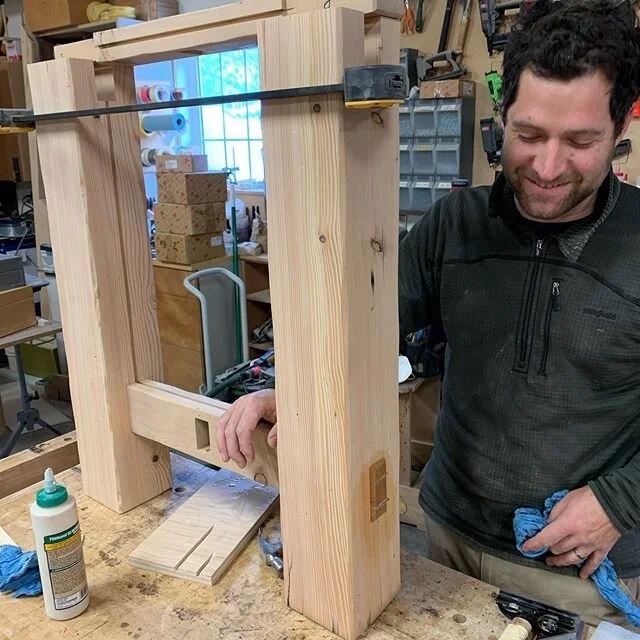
(550,161)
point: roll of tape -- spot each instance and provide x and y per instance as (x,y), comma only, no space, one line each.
(158,93)
(143,133)
(144,94)
(178,94)
(164,122)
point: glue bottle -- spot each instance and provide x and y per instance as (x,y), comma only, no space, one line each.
(58,542)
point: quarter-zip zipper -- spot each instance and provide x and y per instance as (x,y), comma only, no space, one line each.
(553,305)
(526,323)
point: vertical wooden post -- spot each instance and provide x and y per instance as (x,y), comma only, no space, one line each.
(332,189)
(132,223)
(78,158)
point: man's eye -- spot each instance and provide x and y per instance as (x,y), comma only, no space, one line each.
(529,139)
(580,145)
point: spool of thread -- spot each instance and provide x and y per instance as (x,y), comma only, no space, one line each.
(178,94)
(164,122)
(158,93)
(517,629)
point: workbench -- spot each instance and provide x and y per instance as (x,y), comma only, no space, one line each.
(435,603)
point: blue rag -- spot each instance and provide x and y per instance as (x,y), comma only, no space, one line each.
(19,571)
(528,522)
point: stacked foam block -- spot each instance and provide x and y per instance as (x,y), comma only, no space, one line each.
(190,212)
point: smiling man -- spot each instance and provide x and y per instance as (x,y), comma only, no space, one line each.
(535,281)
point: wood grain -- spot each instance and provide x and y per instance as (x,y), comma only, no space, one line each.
(132,225)
(205,535)
(336,423)
(246,604)
(187,422)
(27,467)
(122,470)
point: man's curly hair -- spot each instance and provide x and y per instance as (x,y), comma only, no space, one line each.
(566,39)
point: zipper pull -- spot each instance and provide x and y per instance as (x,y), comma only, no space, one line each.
(555,296)
(539,248)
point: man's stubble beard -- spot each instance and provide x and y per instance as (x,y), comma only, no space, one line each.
(526,201)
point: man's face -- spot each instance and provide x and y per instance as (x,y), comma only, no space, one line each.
(558,145)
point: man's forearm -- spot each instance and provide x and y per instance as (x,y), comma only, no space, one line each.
(619,494)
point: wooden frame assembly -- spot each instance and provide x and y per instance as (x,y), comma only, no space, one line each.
(332,223)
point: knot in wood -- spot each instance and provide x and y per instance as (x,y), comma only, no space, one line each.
(376,245)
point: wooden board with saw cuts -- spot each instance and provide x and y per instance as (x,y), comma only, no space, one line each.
(201,539)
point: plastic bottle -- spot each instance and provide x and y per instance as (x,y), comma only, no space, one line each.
(58,542)
(242,222)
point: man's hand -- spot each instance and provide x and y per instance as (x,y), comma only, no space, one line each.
(578,528)
(236,426)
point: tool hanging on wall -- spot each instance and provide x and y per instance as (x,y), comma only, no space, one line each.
(420,17)
(445,64)
(408,21)
(365,87)
(492,18)
(494,84)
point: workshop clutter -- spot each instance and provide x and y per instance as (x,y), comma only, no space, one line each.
(98,11)
(17,311)
(190,213)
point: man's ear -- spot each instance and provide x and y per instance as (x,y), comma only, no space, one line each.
(625,127)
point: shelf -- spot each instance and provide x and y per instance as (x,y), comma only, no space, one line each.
(78,31)
(263,296)
(261,259)
(261,346)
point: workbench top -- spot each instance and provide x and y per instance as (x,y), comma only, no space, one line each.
(435,603)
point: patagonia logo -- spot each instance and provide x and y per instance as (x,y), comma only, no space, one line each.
(599,313)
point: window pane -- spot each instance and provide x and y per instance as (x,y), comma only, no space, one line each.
(210,75)
(238,156)
(253,69)
(235,120)
(212,121)
(215,154)
(257,163)
(233,72)
(255,127)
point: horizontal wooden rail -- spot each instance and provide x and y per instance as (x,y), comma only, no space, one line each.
(187,422)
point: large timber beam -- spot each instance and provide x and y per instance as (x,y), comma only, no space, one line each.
(332,188)
(229,26)
(108,321)
(187,422)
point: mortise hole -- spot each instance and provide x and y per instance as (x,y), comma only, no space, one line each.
(67,439)
(179,489)
(202,433)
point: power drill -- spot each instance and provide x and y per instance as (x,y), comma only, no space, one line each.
(494,83)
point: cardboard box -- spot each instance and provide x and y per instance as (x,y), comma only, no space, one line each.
(17,310)
(54,387)
(180,249)
(447,89)
(43,15)
(192,188)
(181,164)
(190,219)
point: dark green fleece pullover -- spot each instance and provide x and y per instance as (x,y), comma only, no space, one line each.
(541,389)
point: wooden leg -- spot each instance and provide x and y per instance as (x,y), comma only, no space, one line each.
(120,469)
(332,188)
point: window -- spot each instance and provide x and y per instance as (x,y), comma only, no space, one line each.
(231,133)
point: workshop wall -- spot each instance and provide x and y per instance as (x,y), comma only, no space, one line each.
(477,62)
